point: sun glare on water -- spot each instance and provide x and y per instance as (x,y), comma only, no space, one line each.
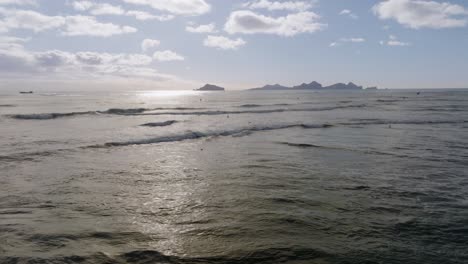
(166,93)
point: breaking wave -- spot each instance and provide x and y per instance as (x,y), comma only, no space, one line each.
(111,111)
(49,116)
(266,111)
(196,135)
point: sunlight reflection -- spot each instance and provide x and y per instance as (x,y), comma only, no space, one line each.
(167,93)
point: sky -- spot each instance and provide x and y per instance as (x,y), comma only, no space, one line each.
(238,44)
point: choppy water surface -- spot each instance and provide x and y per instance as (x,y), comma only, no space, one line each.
(234,177)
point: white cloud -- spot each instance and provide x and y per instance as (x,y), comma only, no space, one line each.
(344,40)
(276,5)
(26,19)
(107,9)
(83,5)
(354,40)
(179,7)
(70,25)
(347,12)
(148,44)
(15,60)
(397,43)
(223,43)
(393,41)
(418,14)
(208,28)
(88,26)
(18,2)
(141,15)
(167,55)
(248,22)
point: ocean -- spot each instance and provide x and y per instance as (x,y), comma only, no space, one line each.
(234,177)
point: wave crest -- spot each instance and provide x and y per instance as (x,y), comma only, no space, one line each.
(196,135)
(160,124)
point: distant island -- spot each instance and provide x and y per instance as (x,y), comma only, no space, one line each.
(310,86)
(210,87)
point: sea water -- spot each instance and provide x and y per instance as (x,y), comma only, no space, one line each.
(234,177)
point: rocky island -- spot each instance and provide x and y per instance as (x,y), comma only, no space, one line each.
(210,87)
(310,86)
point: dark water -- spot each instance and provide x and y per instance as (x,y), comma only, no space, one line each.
(235,177)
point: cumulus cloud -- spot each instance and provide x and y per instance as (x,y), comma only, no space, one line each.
(167,55)
(349,13)
(276,5)
(70,25)
(82,5)
(148,44)
(108,9)
(223,43)
(208,28)
(141,15)
(26,19)
(88,26)
(178,7)
(248,22)
(17,61)
(18,2)
(418,14)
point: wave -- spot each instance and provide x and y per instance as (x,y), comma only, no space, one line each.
(48,116)
(160,124)
(120,111)
(401,122)
(300,145)
(111,111)
(387,100)
(266,255)
(30,156)
(258,105)
(196,135)
(371,152)
(7,105)
(363,151)
(266,111)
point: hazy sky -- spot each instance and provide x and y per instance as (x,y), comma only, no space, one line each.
(171,44)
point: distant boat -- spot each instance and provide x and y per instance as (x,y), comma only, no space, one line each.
(30,92)
(373,88)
